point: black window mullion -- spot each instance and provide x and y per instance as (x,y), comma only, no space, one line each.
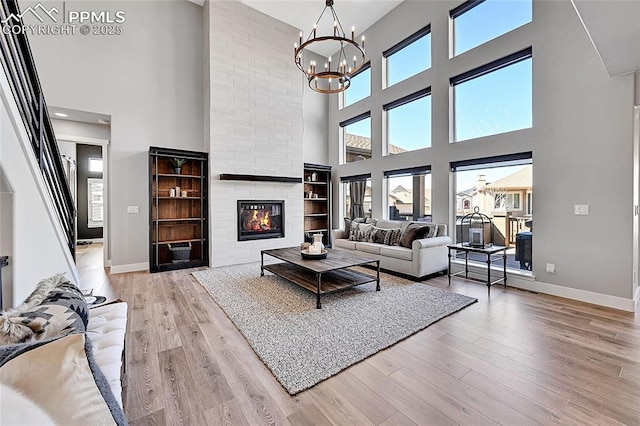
(496,161)
(355,178)
(464,7)
(514,58)
(406,99)
(407,41)
(411,171)
(355,119)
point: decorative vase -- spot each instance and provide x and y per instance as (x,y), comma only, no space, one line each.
(314,177)
(317,241)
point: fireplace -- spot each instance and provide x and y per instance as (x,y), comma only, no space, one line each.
(260,219)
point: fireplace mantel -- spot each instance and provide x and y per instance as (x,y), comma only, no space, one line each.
(259,178)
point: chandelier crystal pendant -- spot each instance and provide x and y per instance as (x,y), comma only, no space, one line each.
(335,74)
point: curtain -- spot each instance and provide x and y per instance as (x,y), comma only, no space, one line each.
(357,190)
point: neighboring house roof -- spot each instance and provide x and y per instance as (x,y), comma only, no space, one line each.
(363,143)
(399,188)
(467,192)
(522,179)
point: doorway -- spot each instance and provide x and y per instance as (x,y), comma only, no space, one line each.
(83,140)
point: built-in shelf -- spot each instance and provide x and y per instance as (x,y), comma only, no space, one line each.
(179,175)
(260,178)
(317,219)
(178,220)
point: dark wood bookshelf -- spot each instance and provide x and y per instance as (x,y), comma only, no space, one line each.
(176,219)
(317,211)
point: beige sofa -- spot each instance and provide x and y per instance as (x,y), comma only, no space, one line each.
(426,256)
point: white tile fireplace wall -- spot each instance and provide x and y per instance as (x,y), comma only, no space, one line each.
(255,122)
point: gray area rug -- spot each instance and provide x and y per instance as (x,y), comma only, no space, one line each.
(303,345)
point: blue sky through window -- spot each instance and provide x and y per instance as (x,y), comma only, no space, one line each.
(409,125)
(409,61)
(360,128)
(489,20)
(497,102)
(359,89)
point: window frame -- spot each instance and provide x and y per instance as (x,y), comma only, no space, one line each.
(343,98)
(343,138)
(405,172)
(422,32)
(95,159)
(482,70)
(90,203)
(461,10)
(344,180)
(423,93)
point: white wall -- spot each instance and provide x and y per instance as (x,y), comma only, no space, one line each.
(149,79)
(256,123)
(29,232)
(315,108)
(581,140)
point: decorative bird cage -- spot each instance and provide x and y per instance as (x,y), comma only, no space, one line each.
(476,223)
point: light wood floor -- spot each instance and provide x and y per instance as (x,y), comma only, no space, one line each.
(516,359)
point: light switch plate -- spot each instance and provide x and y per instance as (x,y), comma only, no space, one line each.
(133,209)
(581,209)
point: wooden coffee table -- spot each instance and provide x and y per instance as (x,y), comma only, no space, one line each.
(320,276)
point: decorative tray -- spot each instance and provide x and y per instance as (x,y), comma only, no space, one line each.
(306,255)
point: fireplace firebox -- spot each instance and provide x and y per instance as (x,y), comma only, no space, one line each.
(260,219)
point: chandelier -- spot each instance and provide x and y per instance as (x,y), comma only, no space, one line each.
(335,75)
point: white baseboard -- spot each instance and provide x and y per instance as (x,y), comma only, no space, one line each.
(528,282)
(609,301)
(132,267)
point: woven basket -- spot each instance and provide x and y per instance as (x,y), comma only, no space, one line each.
(180,252)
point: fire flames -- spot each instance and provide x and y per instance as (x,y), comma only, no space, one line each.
(258,221)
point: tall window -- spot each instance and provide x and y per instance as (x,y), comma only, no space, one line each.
(360,87)
(95,204)
(477,21)
(357,196)
(494,98)
(498,187)
(356,137)
(409,123)
(409,57)
(409,194)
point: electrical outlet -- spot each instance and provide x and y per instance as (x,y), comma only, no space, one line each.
(551,268)
(133,209)
(581,209)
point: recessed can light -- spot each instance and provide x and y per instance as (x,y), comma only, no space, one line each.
(59,114)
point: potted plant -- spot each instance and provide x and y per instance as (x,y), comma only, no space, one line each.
(177,164)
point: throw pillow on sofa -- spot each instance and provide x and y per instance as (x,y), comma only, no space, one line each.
(55,308)
(360,232)
(389,237)
(413,232)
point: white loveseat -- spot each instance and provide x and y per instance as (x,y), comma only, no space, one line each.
(427,256)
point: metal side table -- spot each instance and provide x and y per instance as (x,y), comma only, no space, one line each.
(493,253)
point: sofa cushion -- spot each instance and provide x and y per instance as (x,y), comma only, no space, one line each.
(106,329)
(342,243)
(55,308)
(397,252)
(360,232)
(61,377)
(387,237)
(413,232)
(372,248)
(390,224)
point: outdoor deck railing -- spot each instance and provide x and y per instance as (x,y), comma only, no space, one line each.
(21,73)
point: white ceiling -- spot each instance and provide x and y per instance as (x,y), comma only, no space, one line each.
(614,28)
(302,14)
